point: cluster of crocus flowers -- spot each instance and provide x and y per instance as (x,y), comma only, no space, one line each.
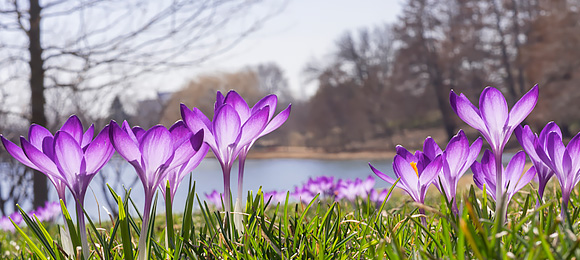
(234,129)
(48,212)
(70,158)
(325,187)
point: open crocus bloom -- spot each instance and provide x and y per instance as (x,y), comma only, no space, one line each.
(563,160)
(179,168)
(70,158)
(492,119)
(527,140)
(235,127)
(457,158)
(515,178)
(153,154)
(416,172)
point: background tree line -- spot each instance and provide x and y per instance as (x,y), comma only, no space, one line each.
(383,82)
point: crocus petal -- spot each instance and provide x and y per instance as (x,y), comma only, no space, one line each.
(430,148)
(514,170)
(138,132)
(403,169)
(270,101)
(36,134)
(227,127)
(277,121)
(127,129)
(42,162)
(17,153)
(573,150)
(467,111)
(239,104)
(197,140)
(550,127)
(196,120)
(523,107)
(219,100)
(99,151)
(88,136)
(68,155)
(123,143)
(555,151)
(431,171)
(156,147)
(383,176)
(525,178)
(526,138)
(494,111)
(478,175)
(408,156)
(74,127)
(254,126)
(474,150)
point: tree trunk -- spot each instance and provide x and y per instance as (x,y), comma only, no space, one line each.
(37,99)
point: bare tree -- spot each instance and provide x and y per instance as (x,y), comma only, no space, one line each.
(76,53)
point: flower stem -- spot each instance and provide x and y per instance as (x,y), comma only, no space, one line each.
(82,229)
(241,165)
(143,238)
(227,192)
(500,203)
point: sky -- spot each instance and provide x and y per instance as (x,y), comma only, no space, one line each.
(304,30)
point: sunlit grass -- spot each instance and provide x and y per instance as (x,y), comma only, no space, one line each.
(328,229)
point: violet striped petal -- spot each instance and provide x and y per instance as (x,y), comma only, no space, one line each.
(156,148)
(431,171)
(430,148)
(467,112)
(127,129)
(16,152)
(494,111)
(573,150)
(74,128)
(123,143)
(523,107)
(196,120)
(277,121)
(99,151)
(526,138)
(239,104)
(555,149)
(514,170)
(525,178)
(42,162)
(383,176)
(36,134)
(227,128)
(88,136)
(405,171)
(269,100)
(68,155)
(253,127)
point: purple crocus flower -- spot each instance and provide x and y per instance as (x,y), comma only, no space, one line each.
(178,169)
(277,196)
(234,126)
(457,158)
(322,184)
(527,140)
(215,198)
(416,171)
(495,123)
(515,178)
(378,197)
(153,153)
(70,158)
(302,194)
(563,160)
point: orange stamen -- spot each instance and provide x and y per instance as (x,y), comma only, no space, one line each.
(414,165)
